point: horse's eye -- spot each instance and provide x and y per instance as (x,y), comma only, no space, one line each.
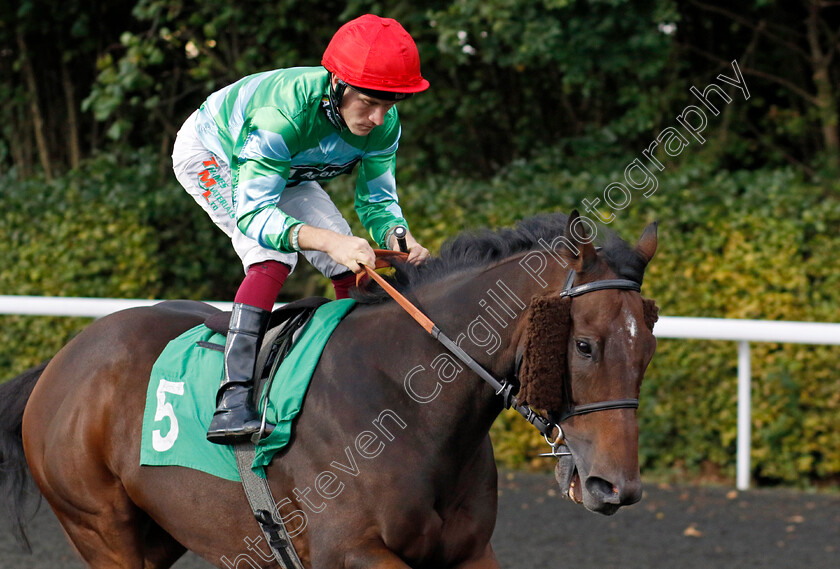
(584,348)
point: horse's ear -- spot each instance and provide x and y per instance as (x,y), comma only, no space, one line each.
(647,242)
(578,236)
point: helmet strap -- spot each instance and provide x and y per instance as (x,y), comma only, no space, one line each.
(333,105)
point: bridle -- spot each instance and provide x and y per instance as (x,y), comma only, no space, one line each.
(504,387)
(571,291)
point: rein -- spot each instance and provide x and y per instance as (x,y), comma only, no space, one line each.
(505,387)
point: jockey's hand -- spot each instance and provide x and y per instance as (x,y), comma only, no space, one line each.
(416,252)
(347,250)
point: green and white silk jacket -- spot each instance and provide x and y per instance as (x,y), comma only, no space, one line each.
(273,130)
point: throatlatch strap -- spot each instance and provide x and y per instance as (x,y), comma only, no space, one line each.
(263,506)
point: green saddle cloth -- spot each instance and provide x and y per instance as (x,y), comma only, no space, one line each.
(182,390)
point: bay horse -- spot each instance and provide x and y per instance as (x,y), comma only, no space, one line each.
(391,465)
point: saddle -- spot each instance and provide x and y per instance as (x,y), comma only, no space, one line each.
(283,328)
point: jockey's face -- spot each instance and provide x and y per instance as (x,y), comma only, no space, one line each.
(362,113)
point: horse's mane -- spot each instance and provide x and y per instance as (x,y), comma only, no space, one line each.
(471,250)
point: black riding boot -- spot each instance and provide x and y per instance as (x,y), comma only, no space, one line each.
(236,417)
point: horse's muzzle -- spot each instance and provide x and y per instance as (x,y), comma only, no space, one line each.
(594,492)
(606,498)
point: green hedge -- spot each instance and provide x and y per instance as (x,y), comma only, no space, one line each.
(740,244)
(109,229)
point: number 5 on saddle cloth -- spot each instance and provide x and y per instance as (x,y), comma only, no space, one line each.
(181,395)
(180,403)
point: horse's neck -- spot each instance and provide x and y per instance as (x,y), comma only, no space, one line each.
(484,313)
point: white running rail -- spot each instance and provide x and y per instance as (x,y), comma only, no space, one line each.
(744,332)
(69,306)
(741,331)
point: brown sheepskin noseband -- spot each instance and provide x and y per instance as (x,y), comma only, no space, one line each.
(651,312)
(543,373)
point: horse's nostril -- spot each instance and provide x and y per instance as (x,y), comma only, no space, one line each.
(631,492)
(602,490)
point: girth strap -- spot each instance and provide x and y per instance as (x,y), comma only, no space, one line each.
(264,508)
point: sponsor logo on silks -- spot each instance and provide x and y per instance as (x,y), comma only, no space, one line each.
(322,172)
(206,179)
(211,180)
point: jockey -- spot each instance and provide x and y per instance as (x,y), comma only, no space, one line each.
(252,156)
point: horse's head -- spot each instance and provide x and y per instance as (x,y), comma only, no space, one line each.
(583,362)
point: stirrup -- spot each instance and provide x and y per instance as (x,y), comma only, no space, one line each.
(253,430)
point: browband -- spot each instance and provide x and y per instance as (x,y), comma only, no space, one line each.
(572,291)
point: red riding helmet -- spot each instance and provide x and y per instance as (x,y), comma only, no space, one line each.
(377,57)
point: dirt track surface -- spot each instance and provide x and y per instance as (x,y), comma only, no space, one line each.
(672,527)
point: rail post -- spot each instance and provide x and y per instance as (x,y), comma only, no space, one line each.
(742,481)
